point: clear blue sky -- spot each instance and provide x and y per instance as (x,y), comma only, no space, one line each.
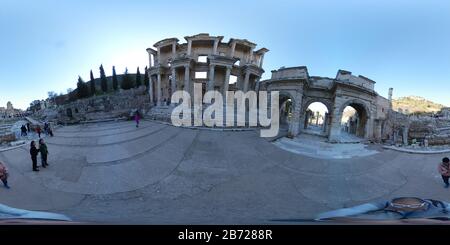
(45,45)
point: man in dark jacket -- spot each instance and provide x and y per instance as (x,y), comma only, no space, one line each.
(44,152)
(34,152)
(23,130)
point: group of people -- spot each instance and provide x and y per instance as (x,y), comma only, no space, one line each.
(43,150)
(47,129)
(25,129)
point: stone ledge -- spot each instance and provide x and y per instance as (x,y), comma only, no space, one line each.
(416,151)
(14,147)
(104,120)
(222,129)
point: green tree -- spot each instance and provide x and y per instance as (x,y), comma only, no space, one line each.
(114,79)
(127,83)
(92,83)
(103,80)
(82,88)
(146,79)
(138,78)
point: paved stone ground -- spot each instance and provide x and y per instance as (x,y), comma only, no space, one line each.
(159,174)
(317,147)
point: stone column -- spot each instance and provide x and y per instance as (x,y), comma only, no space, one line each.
(174,50)
(216,44)
(325,122)
(227,81)
(189,49)
(250,58)
(233,47)
(211,78)
(159,55)
(335,127)
(261,61)
(257,85)
(158,87)
(150,60)
(405,135)
(186,79)
(294,124)
(173,82)
(246,81)
(150,88)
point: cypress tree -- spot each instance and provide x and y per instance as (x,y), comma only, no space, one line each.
(92,83)
(103,80)
(114,79)
(138,78)
(82,88)
(127,83)
(146,79)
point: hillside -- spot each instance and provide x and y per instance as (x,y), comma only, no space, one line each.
(415,104)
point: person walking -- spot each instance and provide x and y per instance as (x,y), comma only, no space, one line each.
(34,152)
(44,152)
(28,127)
(38,131)
(4,175)
(137,117)
(444,170)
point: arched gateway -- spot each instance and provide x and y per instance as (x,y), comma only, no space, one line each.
(295,85)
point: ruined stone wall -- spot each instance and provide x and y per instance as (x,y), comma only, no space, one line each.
(435,130)
(115,105)
(6,138)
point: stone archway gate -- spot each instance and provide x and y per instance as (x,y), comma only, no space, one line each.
(344,90)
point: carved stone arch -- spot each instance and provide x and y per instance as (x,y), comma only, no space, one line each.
(285,110)
(328,104)
(364,115)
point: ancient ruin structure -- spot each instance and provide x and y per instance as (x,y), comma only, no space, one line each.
(237,65)
(207,60)
(295,84)
(10,112)
(204,59)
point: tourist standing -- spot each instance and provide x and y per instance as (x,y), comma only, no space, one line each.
(28,127)
(23,130)
(50,132)
(44,152)
(444,170)
(4,175)
(46,128)
(34,152)
(137,117)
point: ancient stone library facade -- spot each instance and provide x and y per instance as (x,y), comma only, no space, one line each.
(237,65)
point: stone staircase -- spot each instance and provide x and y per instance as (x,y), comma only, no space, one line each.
(6,128)
(163,113)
